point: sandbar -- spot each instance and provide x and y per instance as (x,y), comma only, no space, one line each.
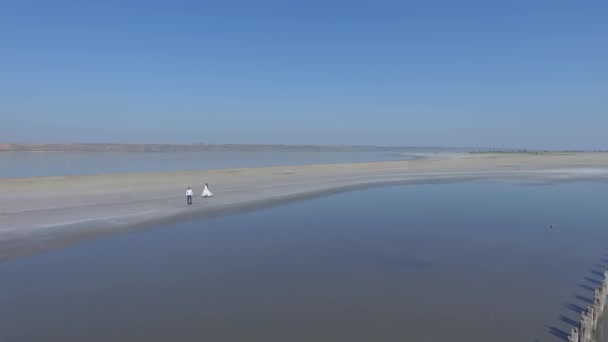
(41,213)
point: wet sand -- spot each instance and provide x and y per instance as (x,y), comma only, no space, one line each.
(46,212)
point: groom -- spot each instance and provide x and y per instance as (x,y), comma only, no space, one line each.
(189,196)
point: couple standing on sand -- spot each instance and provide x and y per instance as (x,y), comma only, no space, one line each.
(206,193)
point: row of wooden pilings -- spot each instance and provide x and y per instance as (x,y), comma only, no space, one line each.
(591,316)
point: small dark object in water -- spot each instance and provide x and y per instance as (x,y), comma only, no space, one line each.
(552,226)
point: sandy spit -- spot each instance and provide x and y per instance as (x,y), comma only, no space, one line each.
(40,213)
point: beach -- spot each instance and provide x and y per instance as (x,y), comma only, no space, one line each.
(41,213)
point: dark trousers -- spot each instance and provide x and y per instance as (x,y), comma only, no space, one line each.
(189,199)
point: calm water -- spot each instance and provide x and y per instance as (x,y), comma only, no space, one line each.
(443,262)
(31,164)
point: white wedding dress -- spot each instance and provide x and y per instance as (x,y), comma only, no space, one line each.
(206,192)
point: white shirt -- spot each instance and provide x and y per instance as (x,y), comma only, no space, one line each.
(189,192)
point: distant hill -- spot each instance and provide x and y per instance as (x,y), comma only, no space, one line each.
(206,148)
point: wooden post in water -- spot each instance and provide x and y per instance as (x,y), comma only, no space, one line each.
(586,327)
(604,290)
(597,307)
(590,318)
(591,315)
(573,335)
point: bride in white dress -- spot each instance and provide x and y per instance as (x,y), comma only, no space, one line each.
(206,191)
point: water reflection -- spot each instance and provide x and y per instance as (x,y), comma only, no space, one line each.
(457,262)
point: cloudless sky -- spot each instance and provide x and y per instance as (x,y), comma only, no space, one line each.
(468,73)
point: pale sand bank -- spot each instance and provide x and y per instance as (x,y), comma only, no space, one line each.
(45,212)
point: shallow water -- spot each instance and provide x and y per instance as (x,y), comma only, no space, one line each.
(33,164)
(443,262)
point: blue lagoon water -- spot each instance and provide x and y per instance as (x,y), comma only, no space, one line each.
(33,164)
(437,262)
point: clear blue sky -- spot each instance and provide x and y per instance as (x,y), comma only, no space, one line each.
(512,73)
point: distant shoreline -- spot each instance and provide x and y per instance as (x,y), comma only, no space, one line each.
(152,148)
(6,147)
(537,152)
